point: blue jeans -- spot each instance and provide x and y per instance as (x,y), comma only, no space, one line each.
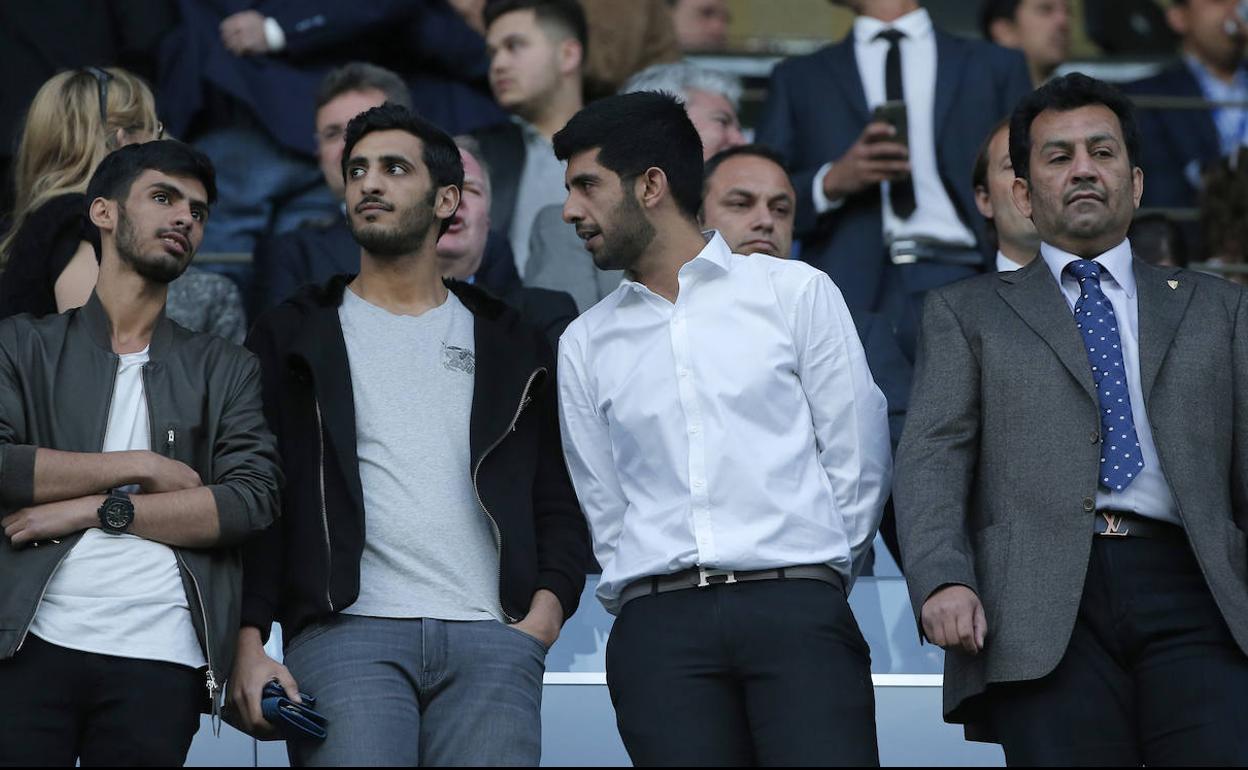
(262,187)
(420,692)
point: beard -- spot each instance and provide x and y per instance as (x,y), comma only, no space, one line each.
(631,234)
(401,239)
(158,267)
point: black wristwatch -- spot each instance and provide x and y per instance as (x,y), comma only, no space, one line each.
(116,513)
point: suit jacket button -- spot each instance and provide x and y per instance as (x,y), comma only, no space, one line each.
(1096,437)
(1089,504)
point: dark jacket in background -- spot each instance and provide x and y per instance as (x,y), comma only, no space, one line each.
(816,109)
(308,565)
(41,250)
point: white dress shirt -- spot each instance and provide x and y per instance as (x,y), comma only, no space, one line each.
(1005,264)
(1149,495)
(934,215)
(738,428)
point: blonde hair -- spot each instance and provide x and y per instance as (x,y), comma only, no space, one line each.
(63,140)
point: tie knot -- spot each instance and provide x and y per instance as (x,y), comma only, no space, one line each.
(893,36)
(1084,268)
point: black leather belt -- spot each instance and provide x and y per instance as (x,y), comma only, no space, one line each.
(907,251)
(1124,524)
(704,577)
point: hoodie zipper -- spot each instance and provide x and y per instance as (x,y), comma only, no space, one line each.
(108,415)
(329,553)
(498,534)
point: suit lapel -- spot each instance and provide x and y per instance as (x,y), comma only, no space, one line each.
(1035,296)
(844,67)
(950,60)
(1161,309)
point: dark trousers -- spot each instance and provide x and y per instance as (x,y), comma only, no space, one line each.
(59,705)
(905,289)
(772,672)
(1152,675)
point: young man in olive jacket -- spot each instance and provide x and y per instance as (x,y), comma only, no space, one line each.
(134,460)
(431,545)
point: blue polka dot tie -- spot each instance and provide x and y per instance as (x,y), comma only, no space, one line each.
(1121,459)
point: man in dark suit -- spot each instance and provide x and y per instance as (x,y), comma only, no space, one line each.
(1071,487)
(886,222)
(1180,143)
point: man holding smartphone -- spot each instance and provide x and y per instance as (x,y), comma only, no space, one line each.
(878,209)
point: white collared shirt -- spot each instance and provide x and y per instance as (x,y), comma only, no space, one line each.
(738,428)
(934,215)
(1005,264)
(1149,495)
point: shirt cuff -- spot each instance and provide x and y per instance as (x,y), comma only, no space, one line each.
(821,201)
(273,35)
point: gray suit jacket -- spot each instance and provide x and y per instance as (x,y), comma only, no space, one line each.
(558,260)
(996,474)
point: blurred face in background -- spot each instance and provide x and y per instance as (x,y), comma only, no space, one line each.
(1211,31)
(1041,30)
(751,202)
(462,246)
(528,62)
(1016,234)
(715,120)
(331,128)
(701,25)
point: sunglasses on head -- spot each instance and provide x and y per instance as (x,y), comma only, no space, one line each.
(102,78)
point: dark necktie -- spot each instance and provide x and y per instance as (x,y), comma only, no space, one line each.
(901,191)
(1121,459)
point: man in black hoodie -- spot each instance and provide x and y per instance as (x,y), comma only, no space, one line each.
(431,545)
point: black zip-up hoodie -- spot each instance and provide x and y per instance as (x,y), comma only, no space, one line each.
(307,565)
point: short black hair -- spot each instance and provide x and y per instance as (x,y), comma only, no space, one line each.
(993,10)
(1069,92)
(1156,237)
(116,173)
(638,131)
(362,76)
(753,150)
(438,150)
(567,15)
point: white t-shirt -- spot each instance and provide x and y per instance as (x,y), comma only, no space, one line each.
(120,594)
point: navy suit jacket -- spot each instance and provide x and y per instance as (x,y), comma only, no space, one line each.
(1174,141)
(816,109)
(279,90)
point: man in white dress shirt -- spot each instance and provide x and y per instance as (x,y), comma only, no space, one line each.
(993,180)
(730,450)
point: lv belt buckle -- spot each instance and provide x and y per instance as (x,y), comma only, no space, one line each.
(715,577)
(1113,524)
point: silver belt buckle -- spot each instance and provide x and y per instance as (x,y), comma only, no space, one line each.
(903,251)
(712,577)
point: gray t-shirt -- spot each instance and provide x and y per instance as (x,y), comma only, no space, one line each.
(429,549)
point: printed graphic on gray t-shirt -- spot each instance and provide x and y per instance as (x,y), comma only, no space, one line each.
(429,549)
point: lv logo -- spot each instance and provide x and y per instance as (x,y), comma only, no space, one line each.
(1113,525)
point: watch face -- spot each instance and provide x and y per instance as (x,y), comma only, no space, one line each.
(118,514)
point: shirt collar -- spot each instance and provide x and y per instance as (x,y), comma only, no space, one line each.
(1005,264)
(1116,262)
(715,252)
(1208,82)
(528,130)
(916,25)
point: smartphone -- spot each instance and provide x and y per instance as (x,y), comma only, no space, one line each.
(894,114)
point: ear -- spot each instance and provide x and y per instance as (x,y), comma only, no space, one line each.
(983,202)
(1004,32)
(571,56)
(103,214)
(1021,193)
(651,188)
(1137,185)
(447,202)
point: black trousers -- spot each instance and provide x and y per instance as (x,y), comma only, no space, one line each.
(58,706)
(772,672)
(1152,675)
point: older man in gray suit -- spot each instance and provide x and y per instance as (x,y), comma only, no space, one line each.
(1071,487)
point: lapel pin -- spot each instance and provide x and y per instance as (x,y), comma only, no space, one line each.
(1173,284)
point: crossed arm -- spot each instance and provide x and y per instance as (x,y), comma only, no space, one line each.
(173,508)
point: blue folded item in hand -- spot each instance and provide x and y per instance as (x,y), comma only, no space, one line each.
(291,720)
